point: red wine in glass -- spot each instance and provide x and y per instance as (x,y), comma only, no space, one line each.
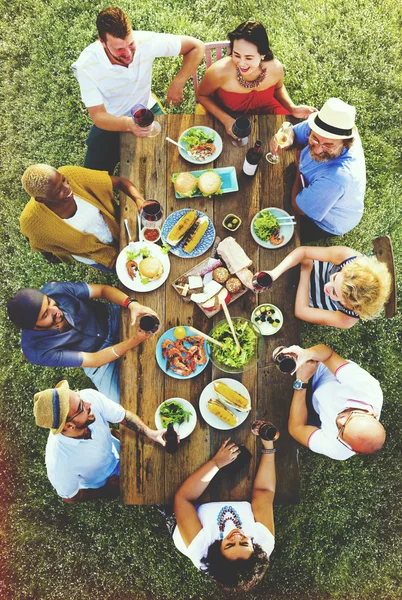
(144,117)
(262,281)
(149,323)
(151,214)
(285,362)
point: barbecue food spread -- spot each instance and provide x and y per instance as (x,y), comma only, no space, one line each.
(180,229)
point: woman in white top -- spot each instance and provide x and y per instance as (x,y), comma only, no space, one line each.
(229,541)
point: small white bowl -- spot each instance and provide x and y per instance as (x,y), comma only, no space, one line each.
(265,327)
(143,239)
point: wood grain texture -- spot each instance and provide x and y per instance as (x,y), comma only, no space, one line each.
(148,474)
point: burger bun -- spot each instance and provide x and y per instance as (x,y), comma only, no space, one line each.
(151,268)
(209,183)
(185,184)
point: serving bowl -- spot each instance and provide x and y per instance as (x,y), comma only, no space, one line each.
(252,357)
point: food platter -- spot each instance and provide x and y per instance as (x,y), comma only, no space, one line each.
(185,428)
(136,285)
(205,243)
(217,141)
(161,360)
(286,230)
(227,175)
(209,392)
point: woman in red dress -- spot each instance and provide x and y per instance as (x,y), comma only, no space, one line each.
(249,81)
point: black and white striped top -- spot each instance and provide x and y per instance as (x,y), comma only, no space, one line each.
(320,275)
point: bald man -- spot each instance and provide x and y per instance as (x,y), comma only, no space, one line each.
(341,418)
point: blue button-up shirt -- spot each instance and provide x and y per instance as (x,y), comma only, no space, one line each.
(89,328)
(334,194)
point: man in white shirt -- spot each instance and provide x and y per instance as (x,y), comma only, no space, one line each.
(346,398)
(82,456)
(115,73)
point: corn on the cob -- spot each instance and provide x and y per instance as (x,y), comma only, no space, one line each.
(181,227)
(194,236)
(227,394)
(219,410)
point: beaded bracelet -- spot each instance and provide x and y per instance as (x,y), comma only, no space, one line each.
(268,450)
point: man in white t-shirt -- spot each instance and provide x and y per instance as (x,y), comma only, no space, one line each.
(115,73)
(82,456)
(346,398)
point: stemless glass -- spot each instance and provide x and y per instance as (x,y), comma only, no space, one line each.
(242,129)
(282,137)
(151,214)
(144,117)
(262,281)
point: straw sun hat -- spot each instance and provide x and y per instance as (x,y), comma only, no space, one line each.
(51,407)
(336,120)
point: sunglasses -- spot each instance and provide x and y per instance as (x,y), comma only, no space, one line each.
(341,430)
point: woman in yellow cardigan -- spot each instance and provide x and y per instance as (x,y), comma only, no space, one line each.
(72,213)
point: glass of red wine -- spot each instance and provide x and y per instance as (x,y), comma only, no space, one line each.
(151,214)
(262,281)
(144,117)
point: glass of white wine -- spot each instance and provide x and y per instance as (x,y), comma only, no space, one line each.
(284,138)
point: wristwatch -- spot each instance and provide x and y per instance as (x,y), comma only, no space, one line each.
(299,385)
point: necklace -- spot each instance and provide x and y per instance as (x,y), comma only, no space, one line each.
(227,513)
(251,84)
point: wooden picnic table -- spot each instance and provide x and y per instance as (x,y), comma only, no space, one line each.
(148,474)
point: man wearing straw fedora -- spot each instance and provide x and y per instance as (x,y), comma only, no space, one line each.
(82,456)
(330,182)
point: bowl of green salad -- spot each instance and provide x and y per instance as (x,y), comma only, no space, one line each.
(272,228)
(228,358)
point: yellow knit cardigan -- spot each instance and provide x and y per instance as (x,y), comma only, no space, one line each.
(47,232)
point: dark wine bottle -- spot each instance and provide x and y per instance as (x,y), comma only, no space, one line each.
(253,157)
(171,439)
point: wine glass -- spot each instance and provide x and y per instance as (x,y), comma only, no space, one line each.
(144,117)
(151,214)
(282,137)
(242,129)
(262,281)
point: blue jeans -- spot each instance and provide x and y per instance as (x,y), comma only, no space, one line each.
(107,377)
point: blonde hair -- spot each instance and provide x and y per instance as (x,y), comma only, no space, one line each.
(36,179)
(366,286)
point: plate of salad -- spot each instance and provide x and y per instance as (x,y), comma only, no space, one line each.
(178,411)
(227,358)
(203,145)
(267,230)
(128,266)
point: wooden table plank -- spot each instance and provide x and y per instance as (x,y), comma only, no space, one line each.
(148,474)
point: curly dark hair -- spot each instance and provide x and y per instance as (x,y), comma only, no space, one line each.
(253,32)
(243,574)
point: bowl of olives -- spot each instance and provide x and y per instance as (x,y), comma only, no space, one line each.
(231,222)
(268,318)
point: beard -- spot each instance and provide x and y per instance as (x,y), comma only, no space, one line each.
(322,157)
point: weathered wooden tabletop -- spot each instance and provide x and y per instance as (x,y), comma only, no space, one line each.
(148,474)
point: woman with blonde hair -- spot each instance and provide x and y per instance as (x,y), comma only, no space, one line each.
(337,286)
(249,81)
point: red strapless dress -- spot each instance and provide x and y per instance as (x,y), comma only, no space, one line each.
(253,102)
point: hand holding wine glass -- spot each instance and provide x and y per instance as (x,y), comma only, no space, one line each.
(282,139)
(143,118)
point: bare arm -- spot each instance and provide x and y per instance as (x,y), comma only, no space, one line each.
(108,122)
(301,111)
(213,79)
(334,254)
(128,188)
(262,498)
(192,51)
(298,415)
(133,422)
(192,488)
(318,316)
(109,491)
(320,353)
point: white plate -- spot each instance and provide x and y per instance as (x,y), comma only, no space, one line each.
(135,284)
(266,328)
(203,245)
(286,230)
(217,142)
(185,428)
(208,392)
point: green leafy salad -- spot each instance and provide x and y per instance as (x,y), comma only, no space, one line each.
(173,412)
(266,225)
(196,137)
(228,354)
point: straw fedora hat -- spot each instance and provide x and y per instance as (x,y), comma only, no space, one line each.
(51,407)
(335,120)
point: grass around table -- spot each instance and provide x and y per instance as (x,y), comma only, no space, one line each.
(342,541)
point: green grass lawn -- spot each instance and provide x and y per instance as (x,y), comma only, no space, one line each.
(343,539)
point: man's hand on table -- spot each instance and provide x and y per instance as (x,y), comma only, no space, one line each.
(138,310)
(156,436)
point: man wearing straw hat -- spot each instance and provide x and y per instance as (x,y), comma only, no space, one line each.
(82,456)
(63,326)
(330,181)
